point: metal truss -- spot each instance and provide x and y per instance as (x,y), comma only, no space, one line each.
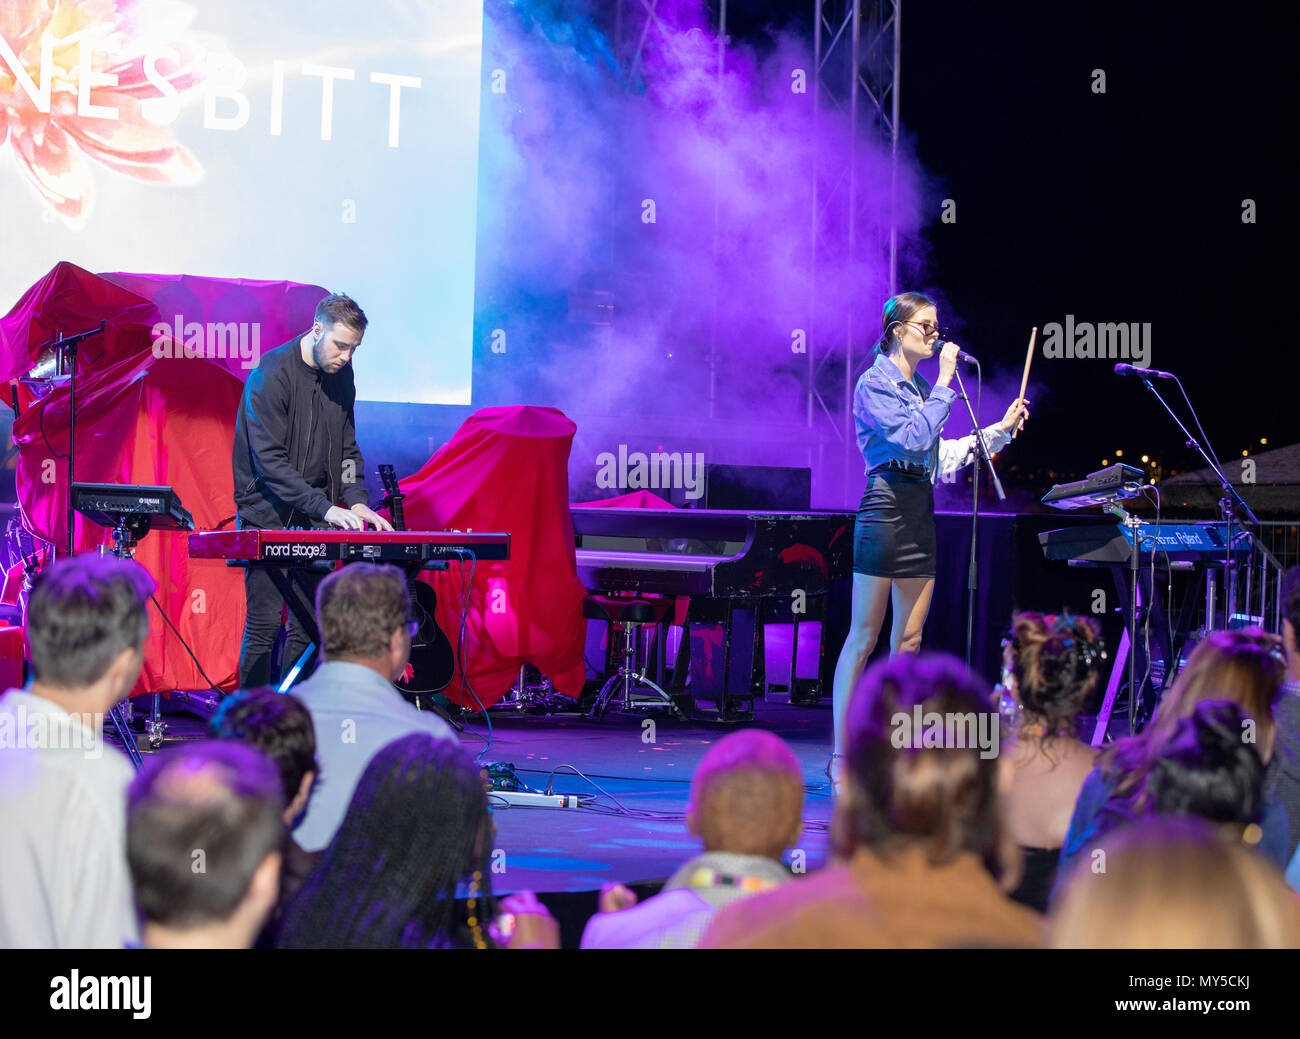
(856,55)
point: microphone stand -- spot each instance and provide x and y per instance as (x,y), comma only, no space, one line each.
(70,344)
(981,453)
(1227,507)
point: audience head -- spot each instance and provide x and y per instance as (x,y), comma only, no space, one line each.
(203,837)
(1291,618)
(747,795)
(87,620)
(1174,883)
(1243,666)
(417,827)
(363,612)
(900,792)
(280,726)
(1053,663)
(1208,768)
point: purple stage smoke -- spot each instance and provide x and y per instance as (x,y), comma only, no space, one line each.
(646,239)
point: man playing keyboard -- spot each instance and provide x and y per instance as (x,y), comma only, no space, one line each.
(297,465)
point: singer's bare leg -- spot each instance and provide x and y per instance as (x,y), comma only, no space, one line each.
(911,598)
(870,599)
(911,607)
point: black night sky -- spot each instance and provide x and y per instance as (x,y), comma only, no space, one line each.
(1116,207)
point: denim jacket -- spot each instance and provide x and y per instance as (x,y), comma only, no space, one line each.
(900,420)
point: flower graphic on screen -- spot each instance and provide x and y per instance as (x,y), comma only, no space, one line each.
(56,125)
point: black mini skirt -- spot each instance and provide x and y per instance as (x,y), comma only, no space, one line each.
(894,533)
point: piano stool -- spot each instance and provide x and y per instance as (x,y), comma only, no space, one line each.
(620,691)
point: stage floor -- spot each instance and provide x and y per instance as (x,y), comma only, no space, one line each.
(567,850)
(579,849)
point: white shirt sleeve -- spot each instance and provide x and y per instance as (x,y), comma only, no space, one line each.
(959,453)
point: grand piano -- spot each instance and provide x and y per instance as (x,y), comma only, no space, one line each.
(735,571)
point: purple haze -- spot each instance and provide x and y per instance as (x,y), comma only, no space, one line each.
(570,152)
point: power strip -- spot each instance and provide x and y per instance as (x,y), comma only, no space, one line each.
(520,799)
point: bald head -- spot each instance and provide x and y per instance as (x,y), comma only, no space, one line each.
(747,795)
(201,820)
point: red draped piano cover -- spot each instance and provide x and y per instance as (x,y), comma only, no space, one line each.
(507,469)
(147,420)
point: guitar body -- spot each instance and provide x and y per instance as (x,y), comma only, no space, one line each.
(433,659)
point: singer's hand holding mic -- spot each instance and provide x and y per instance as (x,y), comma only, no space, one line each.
(949,355)
(947,361)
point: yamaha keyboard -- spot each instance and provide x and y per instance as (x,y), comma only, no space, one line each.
(107,503)
(304,547)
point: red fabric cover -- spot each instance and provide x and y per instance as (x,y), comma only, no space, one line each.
(631,500)
(276,310)
(145,420)
(506,469)
(68,300)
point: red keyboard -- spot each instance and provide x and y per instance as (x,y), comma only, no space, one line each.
(294,547)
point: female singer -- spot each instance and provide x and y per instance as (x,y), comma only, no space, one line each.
(898,417)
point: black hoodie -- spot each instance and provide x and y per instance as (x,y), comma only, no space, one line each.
(292,417)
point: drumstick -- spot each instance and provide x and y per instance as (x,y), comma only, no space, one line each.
(1029,359)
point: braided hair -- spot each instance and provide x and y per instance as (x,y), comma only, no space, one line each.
(417,826)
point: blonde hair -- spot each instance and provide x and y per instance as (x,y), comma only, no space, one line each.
(747,795)
(1175,884)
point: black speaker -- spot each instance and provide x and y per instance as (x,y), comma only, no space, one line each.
(757,487)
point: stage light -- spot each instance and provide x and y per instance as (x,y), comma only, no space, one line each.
(1105,461)
(1145,458)
(1263,440)
(1119,453)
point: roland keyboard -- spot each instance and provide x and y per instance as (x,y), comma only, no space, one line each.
(1173,543)
(303,547)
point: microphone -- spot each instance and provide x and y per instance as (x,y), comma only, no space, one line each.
(78,337)
(1145,373)
(939,344)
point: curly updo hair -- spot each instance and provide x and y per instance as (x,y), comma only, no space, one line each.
(1054,661)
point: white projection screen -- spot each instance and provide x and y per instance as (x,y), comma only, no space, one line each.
(322,141)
